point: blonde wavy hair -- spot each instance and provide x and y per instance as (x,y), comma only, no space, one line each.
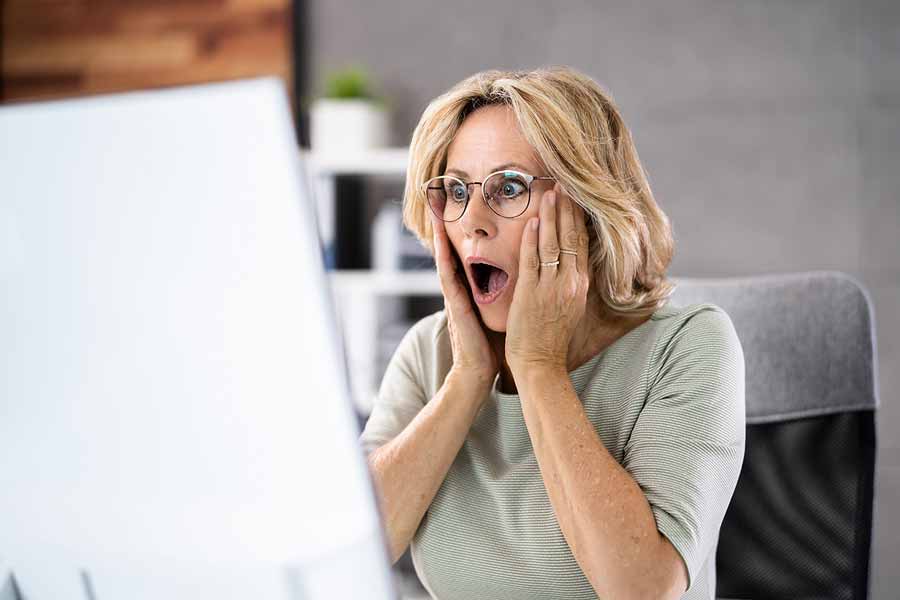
(578,133)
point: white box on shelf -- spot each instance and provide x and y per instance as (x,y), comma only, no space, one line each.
(338,125)
(387,231)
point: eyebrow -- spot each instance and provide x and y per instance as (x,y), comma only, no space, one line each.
(494,170)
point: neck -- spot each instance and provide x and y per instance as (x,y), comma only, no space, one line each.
(596,330)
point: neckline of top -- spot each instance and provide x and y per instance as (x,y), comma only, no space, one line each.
(577,376)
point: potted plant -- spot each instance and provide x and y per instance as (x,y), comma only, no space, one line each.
(348,117)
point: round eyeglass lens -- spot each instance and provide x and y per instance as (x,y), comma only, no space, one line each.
(447,197)
(507,193)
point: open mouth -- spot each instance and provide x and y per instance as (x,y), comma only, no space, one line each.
(489,281)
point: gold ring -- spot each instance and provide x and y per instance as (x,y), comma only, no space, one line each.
(555,263)
(572,252)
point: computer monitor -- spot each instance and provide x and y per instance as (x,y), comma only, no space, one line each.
(175,418)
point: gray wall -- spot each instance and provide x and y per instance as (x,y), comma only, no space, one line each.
(770,130)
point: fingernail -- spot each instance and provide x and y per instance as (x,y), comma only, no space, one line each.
(552,199)
(534,224)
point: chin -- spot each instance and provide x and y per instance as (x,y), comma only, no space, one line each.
(494,317)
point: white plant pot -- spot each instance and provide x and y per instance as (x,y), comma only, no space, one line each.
(340,126)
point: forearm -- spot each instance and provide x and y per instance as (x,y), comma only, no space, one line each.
(602,511)
(409,470)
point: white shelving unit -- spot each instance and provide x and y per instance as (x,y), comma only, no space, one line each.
(383,161)
(357,293)
(323,168)
(381,283)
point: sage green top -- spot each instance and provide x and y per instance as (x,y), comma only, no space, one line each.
(667,401)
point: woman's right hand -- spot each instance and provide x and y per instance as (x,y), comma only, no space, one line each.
(472,355)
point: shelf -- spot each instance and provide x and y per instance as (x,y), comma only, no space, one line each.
(362,297)
(378,161)
(386,283)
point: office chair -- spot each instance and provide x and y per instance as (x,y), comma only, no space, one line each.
(800,521)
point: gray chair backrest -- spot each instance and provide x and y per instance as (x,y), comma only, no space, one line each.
(799,524)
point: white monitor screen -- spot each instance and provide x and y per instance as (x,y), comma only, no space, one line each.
(174,412)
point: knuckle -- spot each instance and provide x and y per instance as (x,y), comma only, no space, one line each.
(573,240)
(550,247)
(582,240)
(532,263)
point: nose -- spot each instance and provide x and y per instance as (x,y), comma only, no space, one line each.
(479,219)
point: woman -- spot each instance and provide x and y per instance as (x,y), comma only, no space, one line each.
(558,430)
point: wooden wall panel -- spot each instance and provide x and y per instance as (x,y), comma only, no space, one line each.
(58,48)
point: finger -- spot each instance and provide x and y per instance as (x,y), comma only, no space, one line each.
(548,240)
(581,218)
(443,259)
(529,261)
(440,253)
(568,234)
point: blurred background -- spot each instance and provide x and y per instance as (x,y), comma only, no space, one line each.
(770,132)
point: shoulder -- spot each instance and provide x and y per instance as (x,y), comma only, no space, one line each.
(696,342)
(698,334)
(695,380)
(427,331)
(424,352)
(696,322)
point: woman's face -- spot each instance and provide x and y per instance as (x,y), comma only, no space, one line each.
(489,140)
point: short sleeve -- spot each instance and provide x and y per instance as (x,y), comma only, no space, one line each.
(687,445)
(400,396)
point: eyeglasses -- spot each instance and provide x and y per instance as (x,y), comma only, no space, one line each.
(507,193)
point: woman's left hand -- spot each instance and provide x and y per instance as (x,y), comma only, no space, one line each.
(548,301)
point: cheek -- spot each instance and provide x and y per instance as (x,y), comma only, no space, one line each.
(514,236)
(533,211)
(454,236)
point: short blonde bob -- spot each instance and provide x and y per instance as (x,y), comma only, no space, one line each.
(583,142)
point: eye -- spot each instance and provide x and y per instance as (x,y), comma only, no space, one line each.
(511,186)
(456,191)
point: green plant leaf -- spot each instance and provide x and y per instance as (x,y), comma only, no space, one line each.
(349,82)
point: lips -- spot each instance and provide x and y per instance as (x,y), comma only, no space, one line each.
(487,278)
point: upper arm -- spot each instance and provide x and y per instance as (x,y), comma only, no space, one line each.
(401,394)
(687,445)
(677,569)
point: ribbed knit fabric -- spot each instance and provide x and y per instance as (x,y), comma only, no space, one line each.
(667,401)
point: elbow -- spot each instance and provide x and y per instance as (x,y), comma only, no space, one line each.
(645,590)
(649,591)
(397,540)
(665,577)
(672,592)
(672,573)
(396,551)
(674,569)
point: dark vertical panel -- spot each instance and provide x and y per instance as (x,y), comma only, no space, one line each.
(352,227)
(301,52)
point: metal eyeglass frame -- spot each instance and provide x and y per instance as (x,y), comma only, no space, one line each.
(528,178)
